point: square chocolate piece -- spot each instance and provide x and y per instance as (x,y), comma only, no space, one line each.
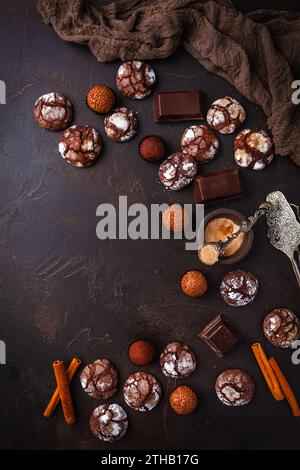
(177,106)
(224,184)
(218,336)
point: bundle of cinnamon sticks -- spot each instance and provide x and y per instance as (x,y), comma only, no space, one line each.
(62,392)
(275,379)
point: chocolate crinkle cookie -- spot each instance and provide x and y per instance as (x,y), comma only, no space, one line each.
(200,142)
(109,422)
(177,171)
(121,124)
(80,145)
(253,148)
(142,391)
(239,288)
(135,79)
(281,327)
(53,111)
(235,387)
(177,360)
(226,115)
(99,379)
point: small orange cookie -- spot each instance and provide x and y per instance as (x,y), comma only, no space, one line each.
(183,400)
(100,99)
(194,283)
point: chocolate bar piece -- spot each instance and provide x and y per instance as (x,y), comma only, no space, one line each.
(218,336)
(177,106)
(223,184)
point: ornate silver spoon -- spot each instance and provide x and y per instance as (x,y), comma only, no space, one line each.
(284,228)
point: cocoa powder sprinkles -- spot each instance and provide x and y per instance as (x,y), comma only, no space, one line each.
(221,38)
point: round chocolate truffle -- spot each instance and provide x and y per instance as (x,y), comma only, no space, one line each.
(281,327)
(53,111)
(226,115)
(175,218)
(99,379)
(239,288)
(121,125)
(109,422)
(253,149)
(135,79)
(80,145)
(194,283)
(177,360)
(100,99)
(177,171)
(152,148)
(141,352)
(183,400)
(199,142)
(142,391)
(235,387)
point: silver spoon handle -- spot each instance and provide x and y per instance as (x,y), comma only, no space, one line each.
(252,219)
(247,225)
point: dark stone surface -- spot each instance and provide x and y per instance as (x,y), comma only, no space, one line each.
(64,293)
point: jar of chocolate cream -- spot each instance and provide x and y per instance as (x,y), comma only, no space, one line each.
(221,224)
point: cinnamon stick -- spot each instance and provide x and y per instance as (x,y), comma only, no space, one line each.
(64,391)
(267,371)
(55,399)
(285,386)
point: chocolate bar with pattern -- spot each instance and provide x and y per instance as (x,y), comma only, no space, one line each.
(177,106)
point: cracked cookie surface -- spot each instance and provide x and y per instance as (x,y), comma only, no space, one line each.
(177,171)
(109,422)
(239,288)
(234,387)
(253,148)
(177,360)
(53,111)
(80,145)
(99,379)
(121,125)
(281,327)
(226,115)
(142,391)
(200,142)
(135,79)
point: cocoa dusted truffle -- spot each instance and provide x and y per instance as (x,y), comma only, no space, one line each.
(281,327)
(194,283)
(183,400)
(121,125)
(100,99)
(99,379)
(135,79)
(80,145)
(253,148)
(141,352)
(142,391)
(177,360)
(199,142)
(109,422)
(226,115)
(239,288)
(177,171)
(53,111)
(152,148)
(234,387)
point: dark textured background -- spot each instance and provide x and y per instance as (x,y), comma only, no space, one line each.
(64,293)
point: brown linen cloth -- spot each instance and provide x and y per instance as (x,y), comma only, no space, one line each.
(254,52)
